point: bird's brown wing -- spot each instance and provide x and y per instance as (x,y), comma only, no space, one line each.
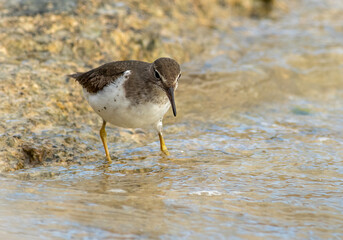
(97,78)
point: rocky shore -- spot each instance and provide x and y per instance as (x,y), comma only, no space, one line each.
(41,41)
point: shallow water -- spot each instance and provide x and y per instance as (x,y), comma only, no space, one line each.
(257,149)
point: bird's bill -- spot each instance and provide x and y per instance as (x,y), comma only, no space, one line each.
(170,94)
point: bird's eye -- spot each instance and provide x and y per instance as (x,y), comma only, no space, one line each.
(178,77)
(157,75)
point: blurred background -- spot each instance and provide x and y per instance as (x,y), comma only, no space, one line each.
(256,148)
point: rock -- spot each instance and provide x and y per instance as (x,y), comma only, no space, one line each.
(34,7)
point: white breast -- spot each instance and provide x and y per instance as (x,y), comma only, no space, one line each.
(113,106)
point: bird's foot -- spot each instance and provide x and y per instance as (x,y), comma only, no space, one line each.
(163,145)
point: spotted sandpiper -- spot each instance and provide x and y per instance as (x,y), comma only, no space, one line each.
(131,94)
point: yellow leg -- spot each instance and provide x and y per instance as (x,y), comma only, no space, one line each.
(103,136)
(163,145)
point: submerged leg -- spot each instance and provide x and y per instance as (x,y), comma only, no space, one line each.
(103,136)
(162,144)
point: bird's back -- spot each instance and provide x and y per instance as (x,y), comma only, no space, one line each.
(96,79)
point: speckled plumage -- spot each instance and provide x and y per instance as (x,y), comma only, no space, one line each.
(141,85)
(131,94)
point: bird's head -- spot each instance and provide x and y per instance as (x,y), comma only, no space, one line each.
(166,73)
